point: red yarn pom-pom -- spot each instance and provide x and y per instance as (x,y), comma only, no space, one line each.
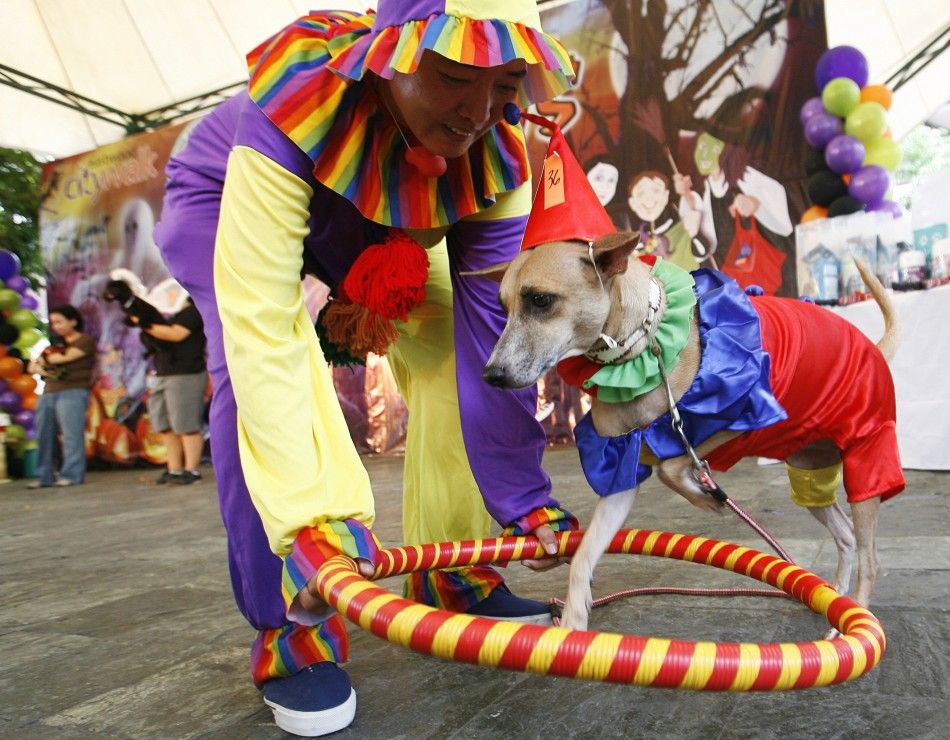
(389,278)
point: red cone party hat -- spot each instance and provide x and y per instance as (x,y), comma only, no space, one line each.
(565,207)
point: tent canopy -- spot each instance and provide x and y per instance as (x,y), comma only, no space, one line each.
(133,56)
(136,56)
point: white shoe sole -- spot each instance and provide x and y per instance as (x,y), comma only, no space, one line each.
(315,724)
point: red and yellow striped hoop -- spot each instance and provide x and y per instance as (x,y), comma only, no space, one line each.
(602,656)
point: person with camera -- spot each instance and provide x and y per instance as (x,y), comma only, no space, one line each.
(177,391)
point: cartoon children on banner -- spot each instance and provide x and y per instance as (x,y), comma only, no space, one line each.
(670,232)
(604,177)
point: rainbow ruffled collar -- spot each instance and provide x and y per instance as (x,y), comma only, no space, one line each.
(307,81)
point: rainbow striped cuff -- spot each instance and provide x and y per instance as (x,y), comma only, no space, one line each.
(287,650)
(560,520)
(312,547)
(454,590)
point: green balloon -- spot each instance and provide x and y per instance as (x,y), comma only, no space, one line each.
(22,318)
(9,299)
(15,433)
(841,96)
(867,122)
(26,340)
(883,152)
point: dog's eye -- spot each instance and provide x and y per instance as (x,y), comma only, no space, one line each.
(542,300)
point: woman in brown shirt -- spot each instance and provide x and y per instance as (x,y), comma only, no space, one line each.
(68,372)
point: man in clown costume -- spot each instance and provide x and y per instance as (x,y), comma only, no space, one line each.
(381,153)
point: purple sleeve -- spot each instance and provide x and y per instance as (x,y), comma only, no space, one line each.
(503,440)
(239,122)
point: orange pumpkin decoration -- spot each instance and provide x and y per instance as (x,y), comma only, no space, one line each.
(115,442)
(150,442)
(94,417)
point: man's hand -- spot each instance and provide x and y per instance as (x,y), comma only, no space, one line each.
(310,599)
(549,542)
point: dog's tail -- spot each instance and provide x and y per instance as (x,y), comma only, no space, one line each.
(892,331)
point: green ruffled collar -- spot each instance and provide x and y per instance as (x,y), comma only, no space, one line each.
(625,381)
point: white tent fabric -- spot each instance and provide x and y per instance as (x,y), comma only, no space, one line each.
(133,55)
(139,55)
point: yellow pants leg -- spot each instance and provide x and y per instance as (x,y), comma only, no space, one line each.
(441,500)
(814,488)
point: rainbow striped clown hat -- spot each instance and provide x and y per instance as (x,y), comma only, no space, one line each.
(481,33)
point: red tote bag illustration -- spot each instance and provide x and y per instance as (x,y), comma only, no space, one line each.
(752,260)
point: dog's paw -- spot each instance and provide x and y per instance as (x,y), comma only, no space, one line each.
(575,617)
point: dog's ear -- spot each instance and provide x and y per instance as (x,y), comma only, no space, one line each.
(495,272)
(611,252)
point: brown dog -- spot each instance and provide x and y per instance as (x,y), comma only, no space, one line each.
(567,299)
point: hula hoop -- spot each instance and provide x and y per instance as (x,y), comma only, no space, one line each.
(603,656)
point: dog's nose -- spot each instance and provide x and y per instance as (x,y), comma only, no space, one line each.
(494,375)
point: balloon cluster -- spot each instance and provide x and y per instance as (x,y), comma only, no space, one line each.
(18,334)
(852,153)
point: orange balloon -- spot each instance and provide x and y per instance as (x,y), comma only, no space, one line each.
(10,367)
(30,401)
(24,384)
(877,94)
(813,214)
(846,179)
(888,134)
(3,350)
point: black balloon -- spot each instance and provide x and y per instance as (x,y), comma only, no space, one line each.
(815,161)
(844,205)
(8,334)
(14,352)
(825,187)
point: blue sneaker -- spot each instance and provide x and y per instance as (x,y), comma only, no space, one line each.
(316,701)
(502,604)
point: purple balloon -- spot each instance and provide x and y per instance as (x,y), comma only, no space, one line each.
(3,385)
(28,301)
(822,128)
(841,61)
(23,417)
(887,206)
(869,184)
(31,434)
(9,264)
(18,283)
(10,401)
(844,154)
(812,107)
